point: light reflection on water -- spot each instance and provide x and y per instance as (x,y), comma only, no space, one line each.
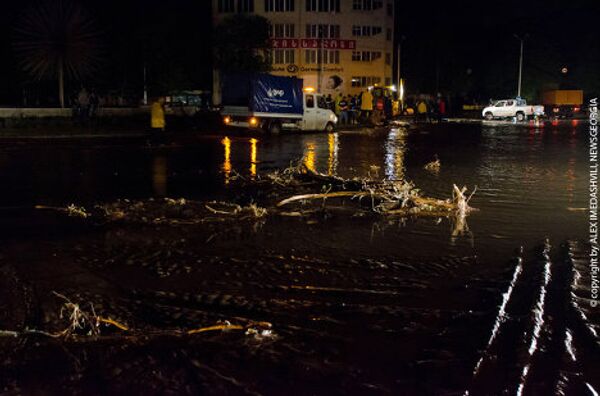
(333,146)
(529,179)
(159,176)
(227,158)
(309,159)
(394,154)
(253,156)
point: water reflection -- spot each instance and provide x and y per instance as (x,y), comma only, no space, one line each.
(226,142)
(159,176)
(395,146)
(333,146)
(253,155)
(310,156)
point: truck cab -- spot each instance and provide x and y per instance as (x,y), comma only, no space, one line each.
(317,114)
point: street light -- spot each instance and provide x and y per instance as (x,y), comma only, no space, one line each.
(399,76)
(522,40)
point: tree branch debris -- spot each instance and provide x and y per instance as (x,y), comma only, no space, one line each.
(85,322)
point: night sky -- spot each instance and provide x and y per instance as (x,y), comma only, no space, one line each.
(463,49)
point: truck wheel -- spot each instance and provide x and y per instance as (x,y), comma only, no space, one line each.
(274,128)
(329,127)
(520,116)
(489,116)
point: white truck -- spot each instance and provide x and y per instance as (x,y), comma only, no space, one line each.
(273,103)
(512,108)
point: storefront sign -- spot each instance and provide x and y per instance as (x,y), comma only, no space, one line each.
(333,44)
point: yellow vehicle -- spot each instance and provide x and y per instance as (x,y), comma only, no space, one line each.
(562,102)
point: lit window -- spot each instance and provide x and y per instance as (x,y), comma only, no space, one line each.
(365,81)
(283,56)
(323,5)
(310,56)
(279,5)
(283,30)
(322,31)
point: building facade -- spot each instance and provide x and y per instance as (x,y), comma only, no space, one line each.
(334,45)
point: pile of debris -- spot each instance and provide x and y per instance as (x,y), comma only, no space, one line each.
(381,197)
(80,321)
(295,191)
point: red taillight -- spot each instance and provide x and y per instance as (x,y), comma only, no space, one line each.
(576,109)
(555,110)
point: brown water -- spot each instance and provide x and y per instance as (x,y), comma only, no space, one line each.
(358,305)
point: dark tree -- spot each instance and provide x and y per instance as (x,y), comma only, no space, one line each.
(57,39)
(242,44)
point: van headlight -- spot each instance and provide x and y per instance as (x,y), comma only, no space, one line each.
(333,117)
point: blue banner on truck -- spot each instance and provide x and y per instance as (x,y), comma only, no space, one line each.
(275,94)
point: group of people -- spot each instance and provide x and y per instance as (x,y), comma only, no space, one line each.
(426,110)
(360,108)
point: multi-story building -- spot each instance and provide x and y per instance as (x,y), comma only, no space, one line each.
(334,45)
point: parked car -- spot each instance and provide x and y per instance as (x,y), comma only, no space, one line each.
(512,108)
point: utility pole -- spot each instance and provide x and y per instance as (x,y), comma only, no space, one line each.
(145,87)
(400,85)
(399,63)
(522,40)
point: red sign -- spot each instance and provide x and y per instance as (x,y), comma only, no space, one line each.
(333,44)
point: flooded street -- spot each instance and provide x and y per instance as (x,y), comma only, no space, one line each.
(327,305)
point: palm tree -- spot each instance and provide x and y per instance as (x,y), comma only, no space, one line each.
(57,39)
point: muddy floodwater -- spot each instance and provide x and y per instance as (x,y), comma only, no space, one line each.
(321,306)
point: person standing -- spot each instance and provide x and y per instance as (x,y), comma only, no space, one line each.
(352,106)
(94,103)
(441,105)
(366,105)
(422,110)
(344,111)
(329,102)
(338,99)
(387,107)
(157,115)
(84,104)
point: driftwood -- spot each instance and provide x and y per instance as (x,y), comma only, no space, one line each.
(393,198)
(85,322)
(280,190)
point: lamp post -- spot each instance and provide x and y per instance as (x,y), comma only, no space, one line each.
(522,40)
(398,63)
(399,81)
